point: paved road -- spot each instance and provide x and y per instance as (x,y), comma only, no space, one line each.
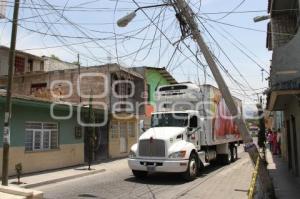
(231,181)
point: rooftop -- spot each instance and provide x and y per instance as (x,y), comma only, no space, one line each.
(163,71)
(22,52)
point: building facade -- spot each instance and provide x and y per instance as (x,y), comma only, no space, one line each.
(28,63)
(283,95)
(38,141)
(115,90)
(154,77)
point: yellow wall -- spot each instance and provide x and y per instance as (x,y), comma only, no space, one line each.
(67,155)
(114,142)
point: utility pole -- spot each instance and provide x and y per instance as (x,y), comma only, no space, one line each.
(8,104)
(78,63)
(187,14)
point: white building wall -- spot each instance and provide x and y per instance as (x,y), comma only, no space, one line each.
(48,64)
(4,53)
(53,64)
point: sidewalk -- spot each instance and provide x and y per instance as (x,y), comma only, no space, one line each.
(285,183)
(54,176)
(232,181)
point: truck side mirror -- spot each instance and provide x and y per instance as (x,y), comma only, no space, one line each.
(193,122)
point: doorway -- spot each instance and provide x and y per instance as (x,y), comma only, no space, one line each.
(100,150)
(289,147)
(123,137)
(294,131)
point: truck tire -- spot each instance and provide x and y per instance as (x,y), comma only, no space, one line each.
(227,158)
(140,174)
(192,169)
(234,154)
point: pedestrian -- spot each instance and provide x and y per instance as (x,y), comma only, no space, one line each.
(270,139)
(279,142)
(274,143)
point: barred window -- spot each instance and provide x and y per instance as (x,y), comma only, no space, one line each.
(131,129)
(114,130)
(40,136)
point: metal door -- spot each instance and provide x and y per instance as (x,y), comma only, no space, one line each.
(289,147)
(123,137)
(294,131)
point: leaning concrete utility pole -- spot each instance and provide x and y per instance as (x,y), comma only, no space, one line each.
(7,114)
(187,14)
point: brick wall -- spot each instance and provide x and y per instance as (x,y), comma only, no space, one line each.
(23,86)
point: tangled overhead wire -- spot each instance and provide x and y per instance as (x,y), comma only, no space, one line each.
(185,30)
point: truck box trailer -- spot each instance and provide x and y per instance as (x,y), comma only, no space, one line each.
(190,127)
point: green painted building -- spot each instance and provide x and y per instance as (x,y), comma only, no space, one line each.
(38,141)
(154,77)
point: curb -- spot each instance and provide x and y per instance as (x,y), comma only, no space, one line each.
(62,179)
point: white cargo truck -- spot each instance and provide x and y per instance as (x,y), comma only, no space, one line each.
(191,127)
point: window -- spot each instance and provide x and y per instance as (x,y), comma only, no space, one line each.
(122,86)
(131,129)
(169,120)
(40,87)
(30,63)
(19,65)
(41,136)
(41,66)
(114,130)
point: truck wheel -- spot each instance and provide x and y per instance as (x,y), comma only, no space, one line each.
(140,174)
(201,166)
(192,170)
(227,158)
(234,154)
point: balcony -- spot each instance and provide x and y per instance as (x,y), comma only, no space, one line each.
(284,39)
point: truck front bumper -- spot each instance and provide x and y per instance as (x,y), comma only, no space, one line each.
(168,166)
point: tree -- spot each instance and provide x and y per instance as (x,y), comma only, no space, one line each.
(262,128)
(76,63)
(55,57)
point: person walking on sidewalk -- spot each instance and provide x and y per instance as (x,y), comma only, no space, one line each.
(270,139)
(274,143)
(279,142)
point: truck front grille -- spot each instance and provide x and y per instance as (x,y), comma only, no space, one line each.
(152,148)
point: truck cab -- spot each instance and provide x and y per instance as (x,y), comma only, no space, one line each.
(170,145)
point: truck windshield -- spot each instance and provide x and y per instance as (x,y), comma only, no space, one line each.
(169,120)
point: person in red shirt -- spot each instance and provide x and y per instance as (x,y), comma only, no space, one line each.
(270,139)
(275,143)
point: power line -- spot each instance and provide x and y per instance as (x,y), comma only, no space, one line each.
(245,28)
(242,51)
(233,10)
(231,62)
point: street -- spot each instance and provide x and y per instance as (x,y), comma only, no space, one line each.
(95,95)
(230,181)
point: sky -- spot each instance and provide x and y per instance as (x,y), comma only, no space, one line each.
(66,28)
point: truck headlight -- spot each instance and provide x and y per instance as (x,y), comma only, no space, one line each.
(132,154)
(178,154)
